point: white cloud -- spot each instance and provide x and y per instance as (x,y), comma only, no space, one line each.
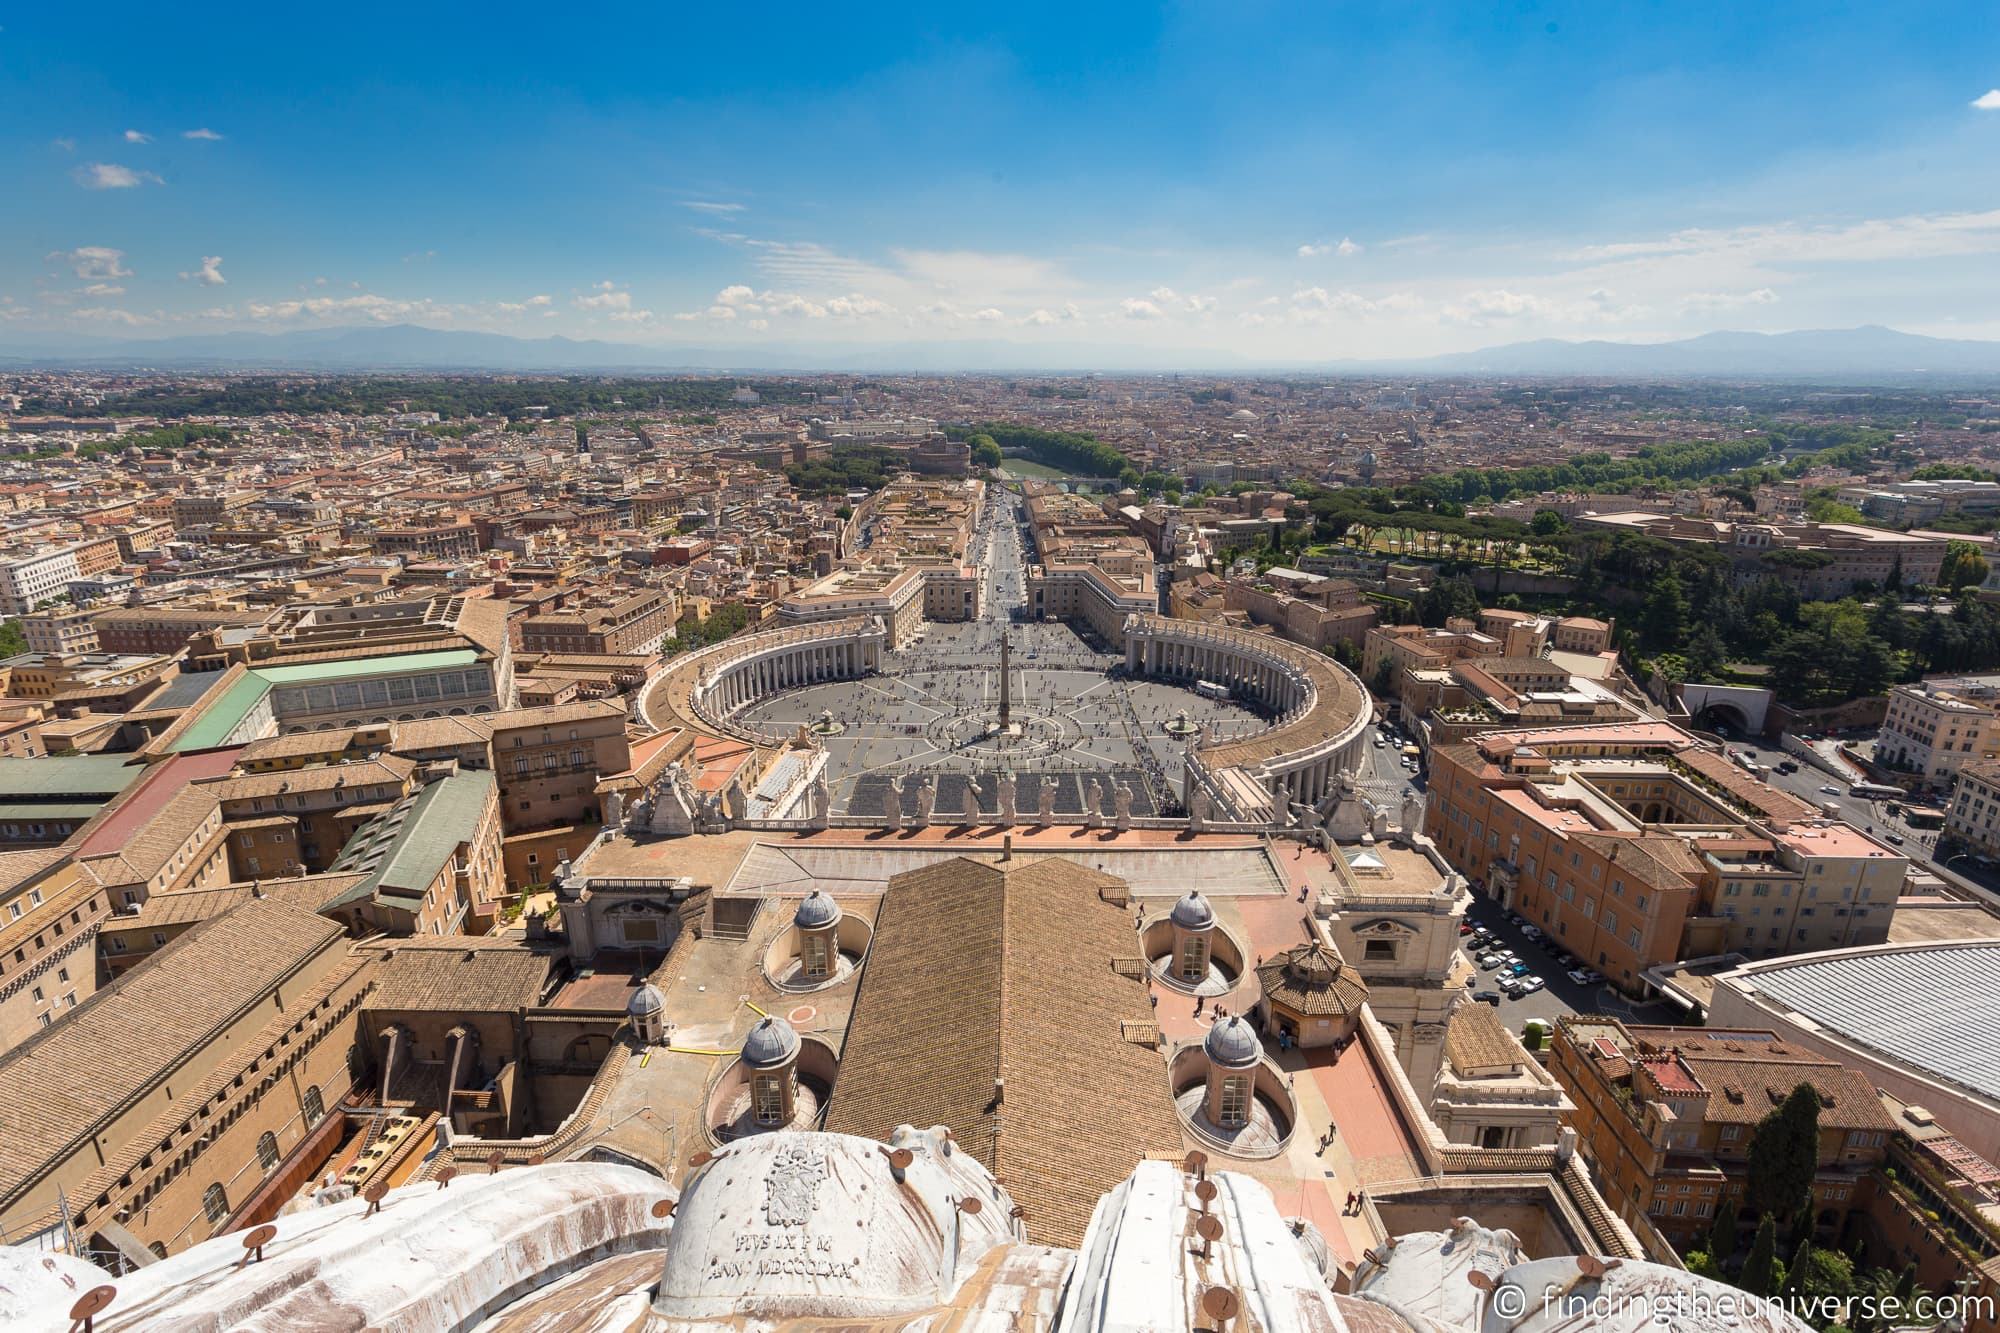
(856,306)
(633,316)
(760,324)
(110,315)
(1164,295)
(518,307)
(380,309)
(63,145)
(989,315)
(540,300)
(722,312)
(1346,248)
(1498,304)
(1987,101)
(1728,300)
(1310,251)
(1067,313)
(1201,305)
(111,176)
(137,136)
(209,274)
(104,289)
(1136,308)
(607,295)
(203,133)
(735,294)
(94,261)
(711,207)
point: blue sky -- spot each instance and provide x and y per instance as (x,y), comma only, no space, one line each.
(1281,181)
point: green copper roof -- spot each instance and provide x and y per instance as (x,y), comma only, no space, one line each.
(314,673)
(67,778)
(221,718)
(401,852)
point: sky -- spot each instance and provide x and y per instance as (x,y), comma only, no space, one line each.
(1287,183)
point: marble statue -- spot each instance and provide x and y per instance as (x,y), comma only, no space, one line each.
(1046,808)
(1198,808)
(1413,816)
(1093,803)
(926,800)
(1008,796)
(975,798)
(614,811)
(1121,805)
(892,804)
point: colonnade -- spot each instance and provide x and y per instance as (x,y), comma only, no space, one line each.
(1270,683)
(745,671)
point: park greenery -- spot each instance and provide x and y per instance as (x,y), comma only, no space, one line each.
(697,631)
(448,396)
(1075,452)
(846,467)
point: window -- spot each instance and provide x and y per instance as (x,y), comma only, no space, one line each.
(214,1204)
(1380,951)
(267,1150)
(1235,1102)
(770,1100)
(1194,958)
(313,1105)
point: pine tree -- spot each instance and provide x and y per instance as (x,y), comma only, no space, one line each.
(1784,1154)
(1760,1268)
(1722,1235)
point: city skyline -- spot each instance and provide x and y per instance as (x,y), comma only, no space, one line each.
(1282,186)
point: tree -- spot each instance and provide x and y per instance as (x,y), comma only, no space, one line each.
(985,451)
(1796,1270)
(12,640)
(1664,619)
(1548,523)
(1963,566)
(1760,1269)
(1784,1154)
(1722,1233)
(1705,653)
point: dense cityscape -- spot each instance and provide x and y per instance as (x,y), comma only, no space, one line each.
(1555,795)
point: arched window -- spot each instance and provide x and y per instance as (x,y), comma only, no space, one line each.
(315,1106)
(1235,1107)
(1194,958)
(214,1203)
(267,1150)
(159,1249)
(815,954)
(768,1094)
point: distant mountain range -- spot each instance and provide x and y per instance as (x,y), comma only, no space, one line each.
(1864,355)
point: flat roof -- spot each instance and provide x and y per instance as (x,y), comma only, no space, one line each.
(67,777)
(349,669)
(1933,1007)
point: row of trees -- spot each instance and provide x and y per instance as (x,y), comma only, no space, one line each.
(695,631)
(1071,451)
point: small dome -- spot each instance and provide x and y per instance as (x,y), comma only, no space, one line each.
(1193,912)
(645,1002)
(816,911)
(772,1042)
(1233,1044)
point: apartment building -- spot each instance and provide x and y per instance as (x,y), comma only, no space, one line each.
(1665,1117)
(430,865)
(1933,729)
(631,623)
(50,911)
(26,581)
(1634,846)
(1308,609)
(65,632)
(1972,821)
(285,821)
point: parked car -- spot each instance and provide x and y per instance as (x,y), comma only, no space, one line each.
(1490,960)
(1527,986)
(1487,996)
(1466,927)
(1829,790)
(1516,919)
(1517,969)
(1508,985)
(1896,838)
(1584,976)
(1532,932)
